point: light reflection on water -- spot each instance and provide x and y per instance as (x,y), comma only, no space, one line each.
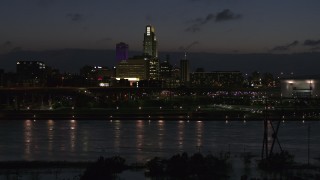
(73,140)
(73,135)
(50,136)
(180,135)
(27,138)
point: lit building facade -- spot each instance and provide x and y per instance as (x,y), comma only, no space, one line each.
(303,87)
(165,70)
(185,71)
(122,50)
(133,70)
(150,42)
(31,73)
(150,51)
(216,79)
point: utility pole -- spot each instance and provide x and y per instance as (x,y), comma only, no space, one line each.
(308,144)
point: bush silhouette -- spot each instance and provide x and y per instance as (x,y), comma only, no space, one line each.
(104,168)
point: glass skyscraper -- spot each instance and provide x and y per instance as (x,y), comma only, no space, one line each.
(150,42)
(150,51)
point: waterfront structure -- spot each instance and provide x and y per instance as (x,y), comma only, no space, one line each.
(216,79)
(185,71)
(300,87)
(133,69)
(31,73)
(122,50)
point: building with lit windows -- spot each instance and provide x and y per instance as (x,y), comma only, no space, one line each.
(216,79)
(185,71)
(31,73)
(301,87)
(122,50)
(150,51)
(133,69)
(150,42)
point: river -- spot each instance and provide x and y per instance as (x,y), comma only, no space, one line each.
(138,141)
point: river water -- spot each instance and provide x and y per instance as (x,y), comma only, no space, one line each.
(138,141)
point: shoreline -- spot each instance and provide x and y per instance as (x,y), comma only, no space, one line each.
(145,115)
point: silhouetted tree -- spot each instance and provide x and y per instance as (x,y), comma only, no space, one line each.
(156,167)
(105,168)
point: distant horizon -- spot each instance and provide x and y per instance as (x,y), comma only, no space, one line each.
(222,26)
(72,59)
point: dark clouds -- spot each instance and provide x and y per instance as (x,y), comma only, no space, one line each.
(285,47)
(225,15)
(9,46)
(311,42)
(75,17)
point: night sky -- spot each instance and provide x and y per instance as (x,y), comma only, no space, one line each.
(211,26)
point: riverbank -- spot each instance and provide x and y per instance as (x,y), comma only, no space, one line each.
(146,114)
(223,165)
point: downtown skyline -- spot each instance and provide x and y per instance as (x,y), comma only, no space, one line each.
(219,35)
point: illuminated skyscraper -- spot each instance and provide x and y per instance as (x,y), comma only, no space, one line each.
(122,50)
(150,51)
(150,42)
(185,70)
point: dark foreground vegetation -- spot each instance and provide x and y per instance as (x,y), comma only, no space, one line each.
(181,166)
(197,166)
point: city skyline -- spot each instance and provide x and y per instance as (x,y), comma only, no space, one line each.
(211,26)
(70,56)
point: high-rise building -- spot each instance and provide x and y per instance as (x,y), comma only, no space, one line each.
(150,51)
(31,72)
(165,70)
(150,42)
(133,69)
(185,71)
(122,50)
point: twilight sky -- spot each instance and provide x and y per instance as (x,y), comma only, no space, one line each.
(214,26)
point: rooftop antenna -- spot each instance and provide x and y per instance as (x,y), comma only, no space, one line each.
(185,54)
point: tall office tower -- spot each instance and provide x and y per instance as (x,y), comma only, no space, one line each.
(150,42)
(150,51)
(185,70)
(165,69)
(122,50)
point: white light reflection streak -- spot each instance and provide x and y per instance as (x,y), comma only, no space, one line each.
(161,133)
(139,134)
(50,125)
(27,135)
(117,136)
(73,134)
(181,134)
(199,134)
